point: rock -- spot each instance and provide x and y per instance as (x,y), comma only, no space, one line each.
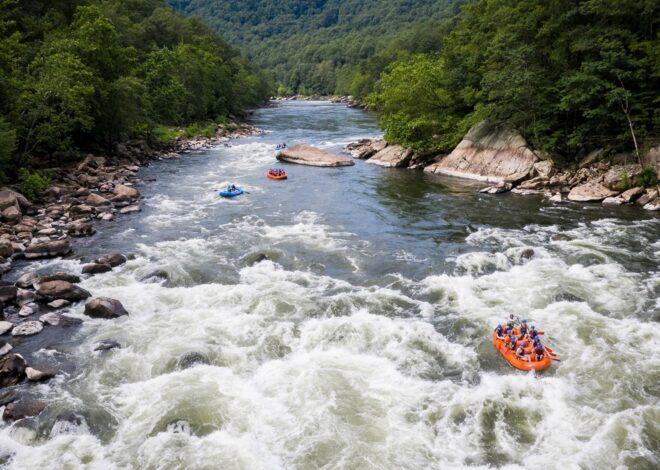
(540,182)
(6,248)
(48,249)
(647,197)
(7,397)
(7,292)
(157,275)
(190,359)
(35,375)
(114,260)
(96,200)
(52,290)
(653,206)
(24,296)
(27,328)
(5,348)
(108,216)
(26,408)
(488,153)
(125,193)
(104,307)
(12,215)
(307,155)
(55,319)
(632,194)
(25,311)
(5,326)
(130,209)
(497,189)
(92,161)
(8,199)
(180,426)
(96,268)
(392,156)
(613,201)
(365,148)
(80,210)
(107,344)
(61,276)
(59,303)
(12,370)
(544,168)
(615,176)
(27,279)
(590,192)
(80,228)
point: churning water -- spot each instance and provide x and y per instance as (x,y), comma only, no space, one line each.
(363,341)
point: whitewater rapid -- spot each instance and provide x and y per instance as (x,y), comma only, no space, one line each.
(363,340)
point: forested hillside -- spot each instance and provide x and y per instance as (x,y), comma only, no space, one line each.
(326,46)
(571,75)
(84,74)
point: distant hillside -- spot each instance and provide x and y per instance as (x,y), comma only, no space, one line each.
(326,46)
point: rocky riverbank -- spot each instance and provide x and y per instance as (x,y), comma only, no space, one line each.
(347,100)
(98,188)
(503,159)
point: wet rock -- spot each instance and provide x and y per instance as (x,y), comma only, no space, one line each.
(96,268)
(52,290)
(590,192)
(130,209)
(653,206)
(27,328)
(61,276)
(55,319)
(67,423)
(108,216)
(7,292)
(499,188)
(107,344)
(24,296)
(104,307)
(365,148)
(5,348)
(191,359)
(392,156)
(157,275)
(304,154)
(125,193)
(5,326)
(114,260)
(35,375)
(26,408)
(527,253)
(59,303)
(80,228)
(48,249)
(7,397)
(25,311)
(6,248)
(27,280)
(613,201)
(12,370)
(180,427)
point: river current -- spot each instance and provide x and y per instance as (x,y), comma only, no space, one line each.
(363,340)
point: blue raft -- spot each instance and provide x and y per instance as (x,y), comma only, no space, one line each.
(229,193)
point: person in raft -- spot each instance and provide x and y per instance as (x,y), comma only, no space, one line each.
(231,188)
(539,350)
(500,332)
(523,328)
(521,354)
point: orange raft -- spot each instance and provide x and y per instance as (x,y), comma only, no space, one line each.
(275,176)
(518,363)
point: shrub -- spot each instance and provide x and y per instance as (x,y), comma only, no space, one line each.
(624,183)
(647,178)
(32,184)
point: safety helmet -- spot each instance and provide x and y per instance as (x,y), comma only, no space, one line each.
(533,327)
(524,321)
(499,326)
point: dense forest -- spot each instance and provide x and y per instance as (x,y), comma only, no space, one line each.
(77,74)
(326,46)
(571,75)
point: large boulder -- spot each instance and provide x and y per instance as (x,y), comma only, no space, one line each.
(114,259)
(7,292)
(307,155)
(104,307)
(27,328)
(27,279)
(392,156)
(125,193)
(48,249)
(25,408)
(618,175)
(96,200)
(61,276)
(96,268)
(365,148)
(12,215)
(632,194)
(488,153)
(80,228)
(52,290)
(12,370)
(590,192)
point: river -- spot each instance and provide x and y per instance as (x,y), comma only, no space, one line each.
(363,341)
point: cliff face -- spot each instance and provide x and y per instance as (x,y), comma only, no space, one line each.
(488,153)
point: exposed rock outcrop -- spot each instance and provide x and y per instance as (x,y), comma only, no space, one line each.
(488,153)
(365,148)
(590,192)
(304,154)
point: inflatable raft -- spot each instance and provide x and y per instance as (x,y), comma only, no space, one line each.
(229,193)
(275,176)
(510,356)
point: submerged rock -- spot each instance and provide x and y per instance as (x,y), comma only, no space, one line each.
(157,275)
(107,344)
(104,307)
(307,155)
(26,408)
(191,359)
